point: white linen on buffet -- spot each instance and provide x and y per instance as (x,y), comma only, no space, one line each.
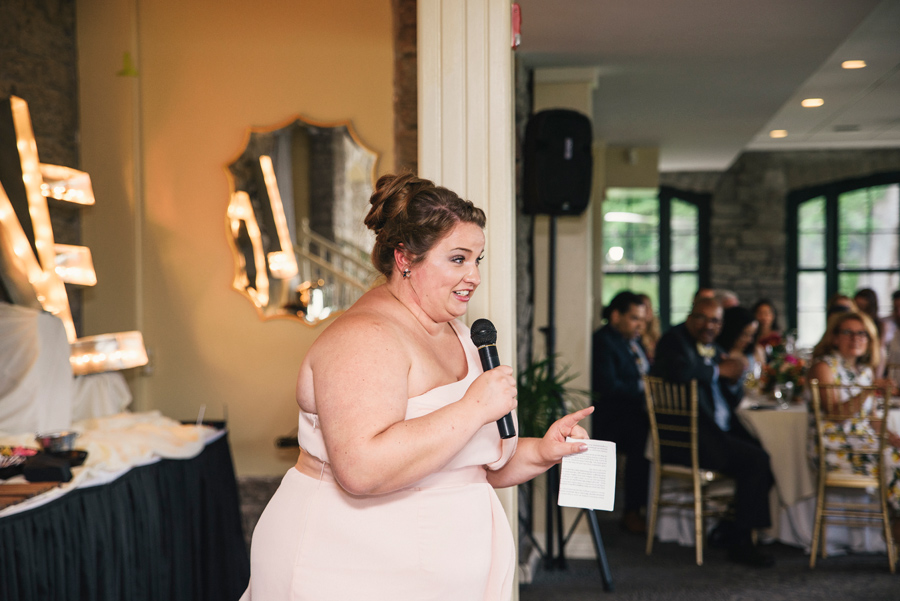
(98,395)
(116,444)
(36,383)
(121,441)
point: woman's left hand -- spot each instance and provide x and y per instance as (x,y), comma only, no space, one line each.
(887,384)
(553,446)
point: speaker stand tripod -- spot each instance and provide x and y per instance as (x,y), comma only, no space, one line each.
(554,517)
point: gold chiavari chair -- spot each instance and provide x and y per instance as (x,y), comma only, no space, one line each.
(834,407)
(892,373)
(672,409)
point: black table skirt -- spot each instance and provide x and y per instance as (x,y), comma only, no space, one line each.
(166,531)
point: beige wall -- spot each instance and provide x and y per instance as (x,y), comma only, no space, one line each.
(156,147)
(570,89)
(632,166)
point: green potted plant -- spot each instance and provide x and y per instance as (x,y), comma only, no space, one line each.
(544,398)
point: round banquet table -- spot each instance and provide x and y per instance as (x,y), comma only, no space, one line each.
(784,433)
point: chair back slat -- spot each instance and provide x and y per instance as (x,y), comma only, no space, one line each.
(672,410)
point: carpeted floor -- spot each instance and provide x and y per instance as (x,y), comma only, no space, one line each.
(670,573)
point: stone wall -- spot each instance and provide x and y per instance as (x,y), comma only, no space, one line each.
(524,226)
(39,63)
(749,239)
(406,119)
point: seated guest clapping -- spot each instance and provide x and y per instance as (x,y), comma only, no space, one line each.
(737,340)
(688,352)
(620,415)
(847,354)
(768,332)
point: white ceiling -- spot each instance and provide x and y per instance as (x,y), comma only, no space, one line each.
(706,79)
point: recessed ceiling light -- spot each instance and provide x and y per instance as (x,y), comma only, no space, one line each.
(778,133)
(811,102)
(855,64)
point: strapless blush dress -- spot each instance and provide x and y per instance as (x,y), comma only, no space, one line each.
(444,538)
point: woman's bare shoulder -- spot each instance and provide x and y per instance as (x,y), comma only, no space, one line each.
(821,370)
(369,326)
(366,348)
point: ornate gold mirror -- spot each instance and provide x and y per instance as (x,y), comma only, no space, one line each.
(299,193)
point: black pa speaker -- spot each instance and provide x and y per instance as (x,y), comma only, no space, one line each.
(558,163)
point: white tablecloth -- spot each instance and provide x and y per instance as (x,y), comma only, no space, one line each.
(115,444)
(784,434)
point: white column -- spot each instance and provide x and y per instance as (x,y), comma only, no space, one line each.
(466,115)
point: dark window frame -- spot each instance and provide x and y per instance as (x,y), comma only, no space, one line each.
(703,202)
(831,192)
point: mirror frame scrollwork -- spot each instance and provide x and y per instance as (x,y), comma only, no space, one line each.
(298,193)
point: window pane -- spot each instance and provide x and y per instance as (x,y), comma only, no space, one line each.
(810,307)
(684,217)
(883,284)
(811,215)
(868,228)
(886,206)
(636,282)
(854,211)
(631,230)
(684,285)
(684,252)
(811,250)
(684,237)
(848,283)
(883,251)
(811,230)
(852,250)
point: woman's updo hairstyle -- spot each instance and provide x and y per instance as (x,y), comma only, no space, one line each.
(412,214)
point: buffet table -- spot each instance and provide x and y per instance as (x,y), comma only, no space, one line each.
(133,524)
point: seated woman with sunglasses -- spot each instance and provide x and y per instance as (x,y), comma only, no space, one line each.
(847,355)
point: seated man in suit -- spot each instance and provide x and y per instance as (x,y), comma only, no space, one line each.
(618,363)
(687,352)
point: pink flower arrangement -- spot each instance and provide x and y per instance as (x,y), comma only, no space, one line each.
(783,367)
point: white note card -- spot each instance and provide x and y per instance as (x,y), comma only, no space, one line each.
(588,480)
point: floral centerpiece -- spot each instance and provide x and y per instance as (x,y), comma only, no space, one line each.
(784,370)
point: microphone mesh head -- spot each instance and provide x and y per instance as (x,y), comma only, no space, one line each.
(483,332)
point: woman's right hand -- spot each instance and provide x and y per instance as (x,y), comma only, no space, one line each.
(493,394)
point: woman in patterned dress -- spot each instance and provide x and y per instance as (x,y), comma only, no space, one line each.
(847,355)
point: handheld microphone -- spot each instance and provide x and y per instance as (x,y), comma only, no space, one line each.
(484,336)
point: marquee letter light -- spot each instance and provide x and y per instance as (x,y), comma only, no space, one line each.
(34,269)
(242,224)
